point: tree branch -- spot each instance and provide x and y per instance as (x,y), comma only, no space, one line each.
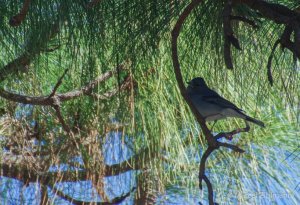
(61,119)
(50,101)
(281,15)
(16,167)
(66,197)
(229,38)
(269,69)
(244,19)
(177,70)
(59,82)
(273,11)
(209,189)
(212,142)
(21,63)
(228,135)
(17,19)
(204,158)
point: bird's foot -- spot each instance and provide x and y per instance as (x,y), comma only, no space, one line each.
(229,137)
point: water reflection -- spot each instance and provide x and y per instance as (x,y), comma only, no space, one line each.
(275,181)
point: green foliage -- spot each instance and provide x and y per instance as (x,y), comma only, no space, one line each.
(92,41)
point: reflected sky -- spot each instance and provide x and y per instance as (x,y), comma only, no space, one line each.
(263,186)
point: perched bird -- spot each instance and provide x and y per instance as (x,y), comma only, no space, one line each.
(212,106)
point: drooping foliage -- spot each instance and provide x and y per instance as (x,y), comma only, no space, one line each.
(64,48)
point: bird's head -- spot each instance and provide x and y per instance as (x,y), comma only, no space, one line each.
(197,82)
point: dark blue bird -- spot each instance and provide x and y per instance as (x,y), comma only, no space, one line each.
(212,106)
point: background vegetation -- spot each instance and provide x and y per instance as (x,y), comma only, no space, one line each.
(147,118)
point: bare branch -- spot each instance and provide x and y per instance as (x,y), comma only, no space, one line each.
(209,189)
(175,33)
(66,197)
(229,38)
(118,200)
(230,146)
(88,88)
(244,19)
(269,71)
(281,15)
(228,31)
(17,19)
(41,100)
(46,101)
(16,167)
(276,12)
(212,142)
(227,54)
(21,63)
(204,157)
(59,82)
(228,135)
(61,119)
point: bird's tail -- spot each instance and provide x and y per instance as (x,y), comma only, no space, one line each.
(250,119)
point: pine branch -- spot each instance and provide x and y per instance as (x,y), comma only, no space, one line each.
(213,144)
(17,19)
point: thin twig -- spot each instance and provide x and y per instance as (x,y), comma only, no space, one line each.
(59,82)
(269,69)
(61,119)
(230,146)
(228,135)
(204,158)
(244,19)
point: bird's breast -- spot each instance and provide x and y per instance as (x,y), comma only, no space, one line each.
(208,110)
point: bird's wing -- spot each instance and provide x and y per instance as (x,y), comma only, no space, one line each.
(213,97)
(222,103)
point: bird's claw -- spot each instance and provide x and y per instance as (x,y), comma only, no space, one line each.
(229,137)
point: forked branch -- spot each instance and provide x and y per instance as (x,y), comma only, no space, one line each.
(213,144)
(55,99)
(280,14)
